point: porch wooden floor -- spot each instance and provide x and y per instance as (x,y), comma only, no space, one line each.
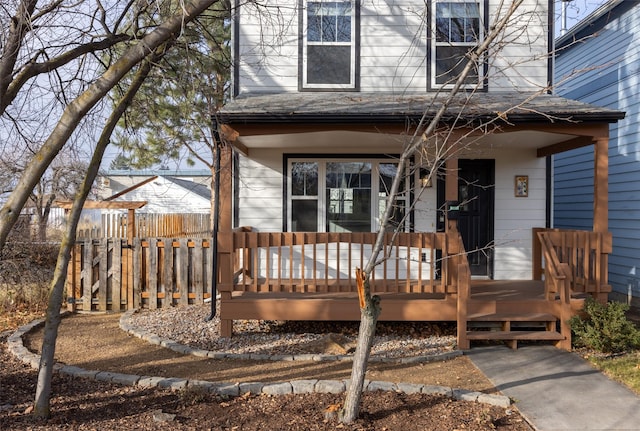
(506,290)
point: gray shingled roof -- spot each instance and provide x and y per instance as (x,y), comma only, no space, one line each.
(348,107)
(198,189)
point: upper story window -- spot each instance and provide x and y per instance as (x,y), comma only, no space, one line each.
(329,45)
(457,27)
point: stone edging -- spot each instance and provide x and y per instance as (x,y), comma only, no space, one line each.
(17,348)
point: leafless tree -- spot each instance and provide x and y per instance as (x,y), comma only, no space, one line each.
(436,152)
(55,64)
(33,52)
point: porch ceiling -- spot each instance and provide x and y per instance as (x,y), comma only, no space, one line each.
(371,141)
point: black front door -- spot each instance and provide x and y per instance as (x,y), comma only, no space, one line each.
(475,220)
(476,179)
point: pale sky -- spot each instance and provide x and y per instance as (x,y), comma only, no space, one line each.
(575,11)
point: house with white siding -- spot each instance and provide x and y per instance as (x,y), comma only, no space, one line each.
(326,96)
(597,62)
(164,191)
(165,202)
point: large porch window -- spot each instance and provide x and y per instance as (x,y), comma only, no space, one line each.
(342,196)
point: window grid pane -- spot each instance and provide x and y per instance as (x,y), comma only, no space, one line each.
(304,179)
(457,30)
(457,22)
(329,22)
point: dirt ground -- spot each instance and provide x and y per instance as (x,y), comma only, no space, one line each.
(95,342)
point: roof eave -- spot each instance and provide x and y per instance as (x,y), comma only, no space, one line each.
(343,118)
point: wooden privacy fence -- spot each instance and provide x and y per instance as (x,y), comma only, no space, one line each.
(150,226)
(112,275)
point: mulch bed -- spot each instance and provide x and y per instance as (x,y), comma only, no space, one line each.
(79,404)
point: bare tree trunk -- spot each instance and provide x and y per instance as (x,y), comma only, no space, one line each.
(17,31)
(42,228)
(52,321)
(368,322)
(369,306)
(80,106)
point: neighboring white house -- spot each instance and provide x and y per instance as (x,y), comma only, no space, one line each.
(164,192)
(326,93)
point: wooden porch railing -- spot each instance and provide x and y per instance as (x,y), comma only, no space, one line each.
(311,276)
(586,253)
(557,283)
(573,263)
(314,262)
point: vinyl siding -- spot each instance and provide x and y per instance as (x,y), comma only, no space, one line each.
(611,63)
(260,191)
(516,216)
(393,48)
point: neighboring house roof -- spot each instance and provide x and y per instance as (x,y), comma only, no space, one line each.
(157,172)
(343,107)
(198,189)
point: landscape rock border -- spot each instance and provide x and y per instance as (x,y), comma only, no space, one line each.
(16,346)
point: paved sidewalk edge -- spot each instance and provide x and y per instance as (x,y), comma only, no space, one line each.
(16,347)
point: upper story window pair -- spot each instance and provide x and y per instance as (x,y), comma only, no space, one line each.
(331,43)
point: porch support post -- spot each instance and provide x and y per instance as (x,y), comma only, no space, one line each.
(226,189)
(225,249)
(601,185)
(451,187)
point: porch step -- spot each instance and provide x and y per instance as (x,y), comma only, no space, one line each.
(513,327)
(515,335)
(511,317)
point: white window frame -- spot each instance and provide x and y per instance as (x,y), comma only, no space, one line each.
(352,75)
(435,44)
(376,199)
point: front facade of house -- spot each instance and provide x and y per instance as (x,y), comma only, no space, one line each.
(328,93)
(597,62)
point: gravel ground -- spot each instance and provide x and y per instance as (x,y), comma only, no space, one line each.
(187,325)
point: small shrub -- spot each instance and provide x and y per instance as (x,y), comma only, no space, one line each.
(26,270)
(605,328)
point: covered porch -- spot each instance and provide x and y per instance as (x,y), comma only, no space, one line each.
(425,273)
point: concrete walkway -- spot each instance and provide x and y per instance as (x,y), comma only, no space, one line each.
(558,390)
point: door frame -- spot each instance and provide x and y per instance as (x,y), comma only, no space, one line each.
(488,167)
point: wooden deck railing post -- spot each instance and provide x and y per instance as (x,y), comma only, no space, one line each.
(225,272)
(536,264)
(565,306)
(464,294)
